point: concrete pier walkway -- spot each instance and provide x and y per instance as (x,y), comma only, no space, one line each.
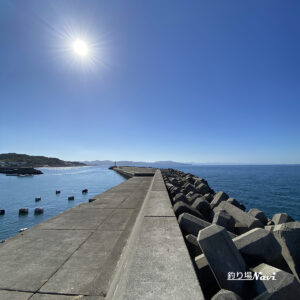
(158,265)
(124,245)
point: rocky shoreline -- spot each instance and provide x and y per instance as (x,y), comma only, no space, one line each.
(19,171)
(236,254)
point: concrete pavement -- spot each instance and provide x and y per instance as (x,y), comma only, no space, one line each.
(74,254)
(126,244)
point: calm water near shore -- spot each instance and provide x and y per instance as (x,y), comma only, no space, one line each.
(16,192)
(269,188)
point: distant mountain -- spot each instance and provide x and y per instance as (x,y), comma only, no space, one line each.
(24,160)
(99,163)
(134,163)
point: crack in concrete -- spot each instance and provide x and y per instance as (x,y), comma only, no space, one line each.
(16,290)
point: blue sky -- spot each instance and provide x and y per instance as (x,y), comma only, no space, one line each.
(200,81)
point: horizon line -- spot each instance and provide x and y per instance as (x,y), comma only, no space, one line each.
(169,161)
(188,163)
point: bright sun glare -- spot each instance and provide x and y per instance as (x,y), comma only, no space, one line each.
(80,47)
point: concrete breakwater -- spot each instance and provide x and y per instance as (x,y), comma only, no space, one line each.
(126,244)
(235,253)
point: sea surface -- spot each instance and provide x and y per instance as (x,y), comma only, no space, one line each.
(17,192)
(271,189)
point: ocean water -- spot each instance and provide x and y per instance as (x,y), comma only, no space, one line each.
(17,192)
(272,189)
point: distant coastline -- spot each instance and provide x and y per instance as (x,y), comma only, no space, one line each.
(19,171)
(13,164)
(135,163)
(14,160)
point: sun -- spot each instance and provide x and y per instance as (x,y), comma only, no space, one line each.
(80,47)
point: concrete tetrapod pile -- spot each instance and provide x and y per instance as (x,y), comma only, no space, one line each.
(236,254)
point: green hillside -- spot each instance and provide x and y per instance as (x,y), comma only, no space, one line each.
(24,160)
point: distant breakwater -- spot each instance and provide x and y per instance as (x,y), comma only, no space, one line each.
(224,240)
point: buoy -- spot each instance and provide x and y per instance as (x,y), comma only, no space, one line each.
(92,200)
(23,211)
(71,198)
(22,229)
(2,212)
(57,192)
(38,210)
(38,199)
(84,191)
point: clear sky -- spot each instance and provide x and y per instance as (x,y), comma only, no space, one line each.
(191,81)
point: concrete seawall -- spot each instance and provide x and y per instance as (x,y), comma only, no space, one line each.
(129,172)
(126,244)
(162,234)
(157,265)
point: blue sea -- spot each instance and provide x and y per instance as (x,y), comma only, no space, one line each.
(272,189)
(17,192)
